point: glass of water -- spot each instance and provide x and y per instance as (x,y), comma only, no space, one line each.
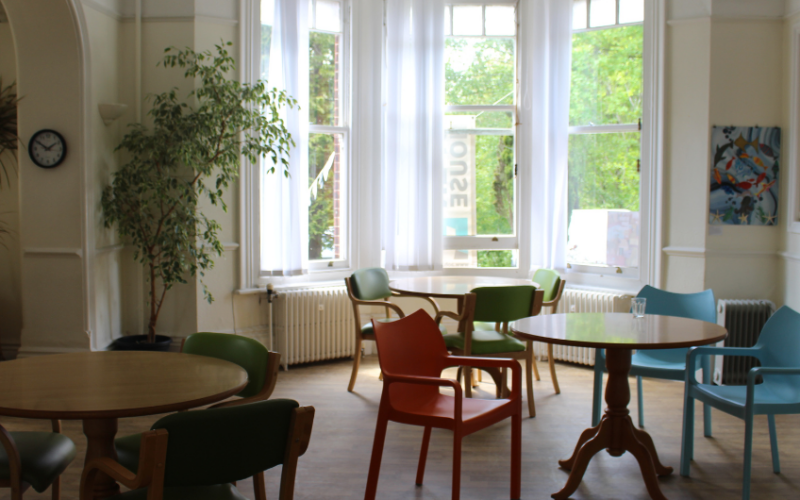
(637,306)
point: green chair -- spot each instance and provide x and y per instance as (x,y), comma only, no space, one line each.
(262,373)
(198,455)
(34,459)
(370,287)
(495,304)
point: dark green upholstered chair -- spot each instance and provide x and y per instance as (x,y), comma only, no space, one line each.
(198,455)
(495,304)
(262,373)
(370,287)
(34,459)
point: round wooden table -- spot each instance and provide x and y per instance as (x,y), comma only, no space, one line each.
(619,334)
(450,287)
(100,387)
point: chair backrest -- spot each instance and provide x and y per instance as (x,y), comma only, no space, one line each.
(780,344)
(549,281)
(370,283)
(411,346)
(222,445)
(500,304)
(700,305)
(245,352)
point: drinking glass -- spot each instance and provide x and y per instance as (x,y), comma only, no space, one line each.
(637,307)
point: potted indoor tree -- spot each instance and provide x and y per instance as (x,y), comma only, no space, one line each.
(191,151)
(8,127)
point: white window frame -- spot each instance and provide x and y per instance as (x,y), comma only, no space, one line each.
(793,165)
(490,242)
(651,170)
(320,273)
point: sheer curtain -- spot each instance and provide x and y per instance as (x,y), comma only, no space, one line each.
(284,200)
(545,39)
(414,134)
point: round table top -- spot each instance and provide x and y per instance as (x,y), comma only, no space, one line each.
(451,286)
(111,384)
(618,330)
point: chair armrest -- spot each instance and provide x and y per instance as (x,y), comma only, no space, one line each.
(152,456)
(449,314)
(759,370)
(432,302)
(516,369)
(421,380)
(381,303)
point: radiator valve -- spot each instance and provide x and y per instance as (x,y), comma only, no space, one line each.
(271,293)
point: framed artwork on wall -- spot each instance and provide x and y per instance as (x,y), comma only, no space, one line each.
(745,165)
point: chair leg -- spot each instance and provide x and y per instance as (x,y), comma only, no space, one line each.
(467,382)
(356,364)
(516,455)
(641,400)
(773,442)
(529,382)
(687,441)
(533,362)
(55,489)
(552,362)
(377,454)
(259,487)
(748,453)
(456,466)
(423,454)
(597,397)
(705,363)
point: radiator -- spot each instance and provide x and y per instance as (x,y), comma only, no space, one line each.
(576,300)
(744,320)
(313,325)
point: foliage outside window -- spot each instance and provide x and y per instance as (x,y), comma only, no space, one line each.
(605,133)
(480,177)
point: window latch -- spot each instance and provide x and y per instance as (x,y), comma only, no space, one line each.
(515,170)
(638,165)
(640,124)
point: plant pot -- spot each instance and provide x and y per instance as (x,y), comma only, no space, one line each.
(140,343)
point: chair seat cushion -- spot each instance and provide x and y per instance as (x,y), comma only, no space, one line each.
(485,342)
(128,451)
(43,456)
(217,492)
(366,328)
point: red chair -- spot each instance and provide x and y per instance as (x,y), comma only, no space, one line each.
(412,356)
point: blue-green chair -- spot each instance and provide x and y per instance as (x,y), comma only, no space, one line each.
(778,350)
(667,364)
(199,455)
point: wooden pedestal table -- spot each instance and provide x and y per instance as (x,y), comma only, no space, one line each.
(100,387)
(618,333)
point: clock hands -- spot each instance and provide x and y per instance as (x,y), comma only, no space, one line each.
(48,148)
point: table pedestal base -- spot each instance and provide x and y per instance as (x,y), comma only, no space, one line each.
(615,433)
(100,434)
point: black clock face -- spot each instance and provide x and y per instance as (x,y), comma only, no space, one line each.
(47,148)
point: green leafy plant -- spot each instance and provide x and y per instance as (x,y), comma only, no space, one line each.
(8,126)
(191,151)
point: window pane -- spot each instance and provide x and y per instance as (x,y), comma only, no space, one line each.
(326,231)
(497,258)
(603,199)
(468,20)
(324,105)
(500,21)
(479,71)
(603,13)
(579,14)
(267,13)
(447,24)
(631,11)
(329,16)
(606,76)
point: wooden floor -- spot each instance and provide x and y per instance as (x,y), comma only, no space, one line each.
(335,466)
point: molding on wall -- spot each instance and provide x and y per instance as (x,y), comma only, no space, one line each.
(700,252)
(732,9)
(108,249)
(27,352)
(53,251)
(209,11)
(790,256)
(110,9)
(792,8)
(230,246)
(685,251)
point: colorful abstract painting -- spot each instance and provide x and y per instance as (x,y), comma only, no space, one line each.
(744,176)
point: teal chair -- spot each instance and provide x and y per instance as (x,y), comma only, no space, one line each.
(199,455)
(778,350)
(667,364)
(370,287)
(490,305)
(34,459)
(262,373)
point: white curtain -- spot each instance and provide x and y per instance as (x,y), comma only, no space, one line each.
(414,130)
(284,200)
(545,40)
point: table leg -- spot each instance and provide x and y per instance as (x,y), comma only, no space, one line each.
(100,434)
(616,433)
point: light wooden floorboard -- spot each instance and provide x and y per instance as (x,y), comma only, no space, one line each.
(335,466)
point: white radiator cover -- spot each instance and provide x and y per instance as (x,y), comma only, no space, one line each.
(577,300)
(313,324)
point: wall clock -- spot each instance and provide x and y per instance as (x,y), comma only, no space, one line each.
(47,148)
